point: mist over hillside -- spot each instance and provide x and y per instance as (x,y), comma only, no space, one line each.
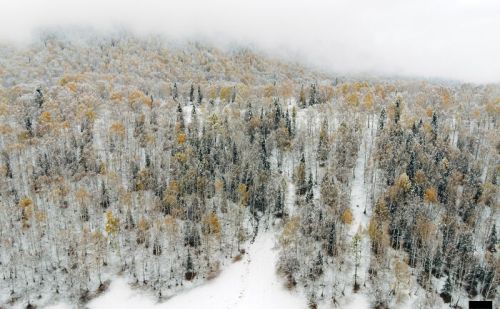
(450,39)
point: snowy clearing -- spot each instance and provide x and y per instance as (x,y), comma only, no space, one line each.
(249,283)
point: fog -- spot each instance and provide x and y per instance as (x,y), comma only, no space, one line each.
(449,39)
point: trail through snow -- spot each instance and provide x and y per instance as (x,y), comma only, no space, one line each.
(360,223)
(249,283)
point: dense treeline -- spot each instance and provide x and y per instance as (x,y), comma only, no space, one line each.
(438,202)
(126,156)
(157,179)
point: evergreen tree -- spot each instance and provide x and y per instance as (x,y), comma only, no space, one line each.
(489,288)
(277,114)
(330,249)
(233,95)
(301,176)
(85,214)
(175,92)
(492,240)
(190,274)
(356,247)
(191,234)
(156,247)
(191,94)
(129,222)
(104,197)
(447,291)
(318,265)
(39,97)
(302,97)
(437,264)
(381,119)
(434,127)
(180,117)
(200,95)
(288,123)
(411,168)
(263,154)
(323,144)
(279,205)
(235,154)
(397,111)
(313,96)
(465,245)
(309,193)
(311,302)
(8,169)
(28,125)
(248,112)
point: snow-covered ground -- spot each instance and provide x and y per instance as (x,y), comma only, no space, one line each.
(359,225)
(251,282)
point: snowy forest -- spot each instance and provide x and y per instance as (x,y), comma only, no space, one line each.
(164,162)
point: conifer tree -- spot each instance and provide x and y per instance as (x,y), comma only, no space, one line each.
(381,119)
(313,96)
(175,92)
(39,100)
(191,94)
(200,95)
(331,243)
(279,205)
(447,290)
(189,274)
(302,97)
(309,192)
(492,240)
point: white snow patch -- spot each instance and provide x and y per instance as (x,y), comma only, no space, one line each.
(360,224)
(250,283)
(187,112)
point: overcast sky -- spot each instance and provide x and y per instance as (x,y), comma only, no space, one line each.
(455,39)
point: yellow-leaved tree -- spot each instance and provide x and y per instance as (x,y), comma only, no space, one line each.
(347,216)
(112,223)
(368,101)
(26,205)
(430,195)
(211,224)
